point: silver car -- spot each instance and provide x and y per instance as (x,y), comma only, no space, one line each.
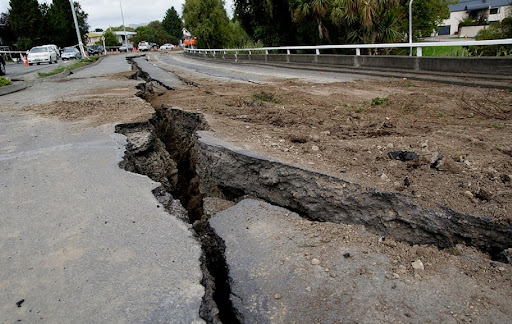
(41,54)
(70,53)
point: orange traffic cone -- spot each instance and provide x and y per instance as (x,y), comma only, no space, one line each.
(26,62)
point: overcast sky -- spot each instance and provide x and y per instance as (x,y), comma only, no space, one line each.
(105,13)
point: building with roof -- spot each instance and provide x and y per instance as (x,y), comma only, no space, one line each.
(489,11)
(93,37)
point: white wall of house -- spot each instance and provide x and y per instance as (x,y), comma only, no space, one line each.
(458,16)
(453,21)
(470,31)
(503,12)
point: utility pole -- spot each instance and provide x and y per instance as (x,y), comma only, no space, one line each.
(410,27)
(124,27)
(80,44)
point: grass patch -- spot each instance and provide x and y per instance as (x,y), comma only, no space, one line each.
(4,82)
(379,101)
(497,126)
(75,65)
(263,96)
(357,109)
(408,84)
(445,51)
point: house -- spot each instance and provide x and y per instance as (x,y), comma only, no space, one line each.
(93,37)
(488,11)
(120,35)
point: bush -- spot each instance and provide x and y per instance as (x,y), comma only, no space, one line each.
(4,82)
(499,30)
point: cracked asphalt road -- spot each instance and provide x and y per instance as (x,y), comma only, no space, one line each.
(82,240)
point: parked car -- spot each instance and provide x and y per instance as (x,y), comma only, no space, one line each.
(2,65)
(41,54)
(153,46)
(166,47)
(54,48)
(71,53)
(95,50)
(123,48)
(144,46)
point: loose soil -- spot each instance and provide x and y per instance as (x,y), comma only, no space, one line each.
(460,134)
(103,106)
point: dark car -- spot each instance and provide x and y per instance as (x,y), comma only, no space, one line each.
(123,48)
(95,50)
(2,65)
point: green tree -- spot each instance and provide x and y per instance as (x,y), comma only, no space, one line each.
(427,16)
(499,30)
(368,22)
(316,10)
(120,28)
(269,22)
(61,24)
(25,20)
(7,36)
(208,21)
(172,24)
(110,39)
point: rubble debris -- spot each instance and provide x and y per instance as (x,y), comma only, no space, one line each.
(403,155)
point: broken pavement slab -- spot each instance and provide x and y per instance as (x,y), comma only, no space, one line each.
(285,269)
(165,78)
(82,240)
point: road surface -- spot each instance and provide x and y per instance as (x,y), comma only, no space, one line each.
(82,240)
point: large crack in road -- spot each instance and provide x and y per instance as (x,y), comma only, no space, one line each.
(176,149)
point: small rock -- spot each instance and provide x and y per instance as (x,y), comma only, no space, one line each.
(506,178)
(315,148)
(298,138)
(483,194)
(506,255)
(384,177)
(332,274)
(390,145)
(501,269)
(402,155)
(346,255)
(278,296)
(315,261)
(402,269)
(418,265)
(468,194)
(396,276)
(326,269)
(389,276)
(315,138)
(308,289)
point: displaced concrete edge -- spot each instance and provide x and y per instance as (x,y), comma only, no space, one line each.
(14,87)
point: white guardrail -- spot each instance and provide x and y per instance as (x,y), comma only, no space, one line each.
(357,47)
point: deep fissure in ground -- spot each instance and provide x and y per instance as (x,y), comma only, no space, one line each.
(164,150)
(167,149)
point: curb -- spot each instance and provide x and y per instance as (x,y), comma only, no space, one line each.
(15,87)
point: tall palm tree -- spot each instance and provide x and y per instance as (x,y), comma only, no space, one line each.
(369,21)
(316,9)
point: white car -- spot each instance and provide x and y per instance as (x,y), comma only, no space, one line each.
(143,46)
(55,48)
(70,53)
(41,54)
(166,47)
